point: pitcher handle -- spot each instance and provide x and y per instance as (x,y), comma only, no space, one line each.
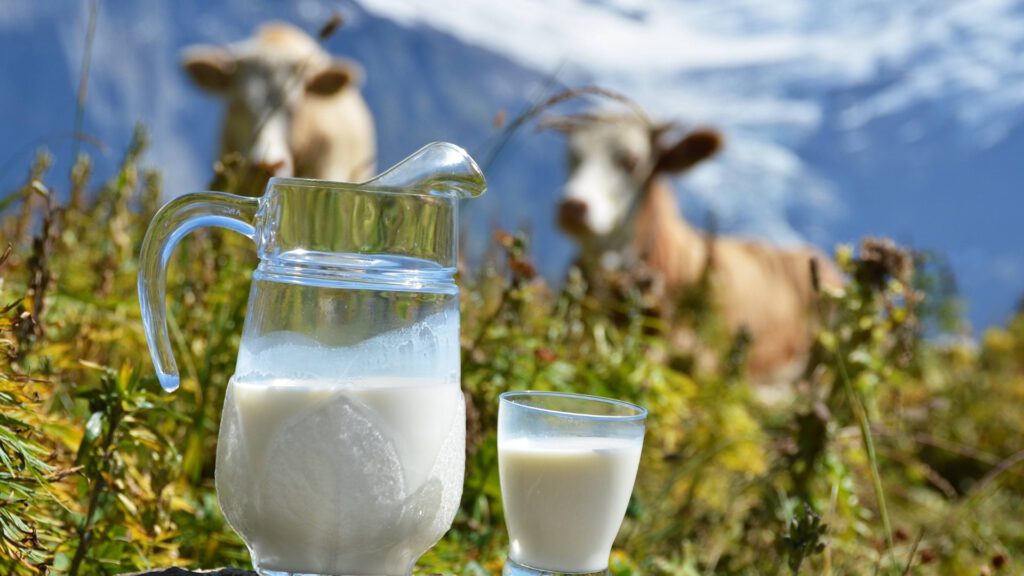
(170,224)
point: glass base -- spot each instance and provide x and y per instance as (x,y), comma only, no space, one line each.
(513,568)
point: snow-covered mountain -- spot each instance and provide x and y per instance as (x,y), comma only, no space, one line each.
(844,118)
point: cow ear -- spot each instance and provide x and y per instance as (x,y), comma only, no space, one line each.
(692,149)
(209,67)
(338,75)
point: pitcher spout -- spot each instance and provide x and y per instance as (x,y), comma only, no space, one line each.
(440,169)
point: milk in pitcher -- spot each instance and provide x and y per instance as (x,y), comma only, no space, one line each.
(325,473)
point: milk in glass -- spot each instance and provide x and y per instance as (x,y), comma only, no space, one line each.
(565,497)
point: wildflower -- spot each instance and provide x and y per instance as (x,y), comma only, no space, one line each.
(522,268)
(545,355)
(504,239)
(804,537)
(882,259)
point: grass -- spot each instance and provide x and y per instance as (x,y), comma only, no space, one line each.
(896,455)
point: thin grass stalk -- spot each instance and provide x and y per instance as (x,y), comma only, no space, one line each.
(863,420)
(78,194)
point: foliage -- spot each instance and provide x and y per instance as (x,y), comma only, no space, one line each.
(893,453)
(803,539)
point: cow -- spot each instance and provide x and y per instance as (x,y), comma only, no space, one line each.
(291,106)
(621,212)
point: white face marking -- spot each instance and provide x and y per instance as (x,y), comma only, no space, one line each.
(609,162)
(261,105)
(265,84)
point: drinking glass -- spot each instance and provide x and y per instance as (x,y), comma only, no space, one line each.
(567,464)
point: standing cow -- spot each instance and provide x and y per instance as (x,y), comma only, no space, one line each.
(290,105)
(621,212)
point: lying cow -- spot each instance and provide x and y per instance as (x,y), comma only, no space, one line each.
(290,105)
(621,212)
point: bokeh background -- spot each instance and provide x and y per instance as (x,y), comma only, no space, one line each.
(897,449)
(844,118)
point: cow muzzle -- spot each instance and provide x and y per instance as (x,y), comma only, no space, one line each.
(572,216)
(274,165)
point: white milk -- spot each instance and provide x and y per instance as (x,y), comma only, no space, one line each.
(329,464)
(321,478)
(565,498)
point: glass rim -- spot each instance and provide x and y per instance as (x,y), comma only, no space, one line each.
(333,185)
(640,412)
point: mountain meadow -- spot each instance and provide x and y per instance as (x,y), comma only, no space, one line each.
(898,451)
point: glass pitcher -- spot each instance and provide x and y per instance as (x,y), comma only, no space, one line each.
(342,439)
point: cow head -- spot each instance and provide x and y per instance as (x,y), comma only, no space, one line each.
(266,80)
(612,161)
